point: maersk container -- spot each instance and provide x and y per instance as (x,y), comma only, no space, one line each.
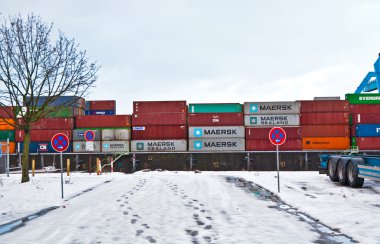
(116,134)
(5,134)
(368,143)
(115,146)
(41,135)
(325,143)
(43,147)
(159,119)
(324,118)
(159,107)
(367,130)
(215,119)
(326,130)
(215,108)
(324,106)
(87,147)
(271,108)
(53,124)
(158,132)
(78,135)
(217,144)
(216,132)
(272,120)
(369,98)
(365,109)
(266,145)
(100,112)
(254,133)
(159,145)
(364,118)
(99,121)
(103,105)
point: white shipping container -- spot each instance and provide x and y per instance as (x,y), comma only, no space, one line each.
(115,146)
(216,132)
(78,135)
(217,144)
(271,107)
(80,146)
(159,146)
(116,134)
(272,120)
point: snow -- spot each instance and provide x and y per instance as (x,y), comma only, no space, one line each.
(183,207)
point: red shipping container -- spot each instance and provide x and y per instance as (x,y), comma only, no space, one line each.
(158,132)
(324,118)
(324,106)
(325,130)
(266,145)
(159,119)
(53,124)
(365,109)
(41,135)
(253,133)
(216,119)
(100,121)
(368,143)
(159,107)
(365,118)
(6,112)
(103,105)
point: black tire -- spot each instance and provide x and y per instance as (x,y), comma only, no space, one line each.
(331,171)
(352,176)
(342,173)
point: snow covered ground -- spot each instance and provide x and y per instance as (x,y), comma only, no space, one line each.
(183,207)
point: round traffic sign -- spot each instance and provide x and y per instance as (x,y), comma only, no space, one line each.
(60,142)
(277,136)
(89,135)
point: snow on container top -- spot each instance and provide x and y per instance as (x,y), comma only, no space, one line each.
(370,98)
(271,108)
(324,106)
(159,106)
(215,108)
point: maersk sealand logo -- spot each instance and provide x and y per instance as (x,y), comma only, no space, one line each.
(198,132)
(253,120)
(198,145)
(253,108)
(140,146)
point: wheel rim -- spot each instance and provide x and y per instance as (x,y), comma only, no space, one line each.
(331,169)
(350,173)
(340,171)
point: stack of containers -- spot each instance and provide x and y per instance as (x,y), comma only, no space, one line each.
(159,126)
(7,131)
(216,127)
(325,125)
(76,106)
(112,133)
(365,112)
(261,117)
(101,107)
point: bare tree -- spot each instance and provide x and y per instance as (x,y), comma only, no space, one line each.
(35,71)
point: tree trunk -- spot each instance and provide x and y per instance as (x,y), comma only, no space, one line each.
(25,157)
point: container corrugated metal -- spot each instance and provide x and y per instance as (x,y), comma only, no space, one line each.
(87,105)
(324,118)
(5,134)
(368,143)
(103,105)
(216,132)
(253,133)
(98,121)
(78,134)
(158,145)
(43,147)
(370,98)
(80,146)
(100,112)
(115,146)
(7,112)
(116,134)
(324,106)
(326,130)
(272,120)
(67,112)
(367,130)
(215,108)
(365,118)
(215,119)
(266,145)
(159,107)
(159,119)
(41,135)
(271,108)
(365,109)
(217,144)
(325,143)
(157,132)
(70,101)
(7,124)
(12,148)
(53,124)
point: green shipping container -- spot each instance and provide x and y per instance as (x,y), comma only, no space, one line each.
(67,113)
(5,134)
(368,98)
(353,142)
(215,108)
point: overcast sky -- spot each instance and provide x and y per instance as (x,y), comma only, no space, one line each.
(218,50)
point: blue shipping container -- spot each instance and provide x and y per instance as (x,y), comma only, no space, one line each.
(43,147)
(74,101)
(367,130)
(100,112)
(88,106)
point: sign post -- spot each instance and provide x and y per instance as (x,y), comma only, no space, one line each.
(89,136)
(277,137)
(60,143)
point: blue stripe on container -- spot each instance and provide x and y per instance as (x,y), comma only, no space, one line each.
(367,130)
(35,147)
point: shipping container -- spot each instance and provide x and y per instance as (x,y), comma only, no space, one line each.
(98,121)
(365,109)
(215,108)
(7,112)
(87,105)
(100,112)
(367,130)
(87,147)
(159,107)
(324,106)
(254,133)
(115,146)
(67,101)
(326,130)
(217,144)
(78,135)
(271,108)
(52,124)
(7,124)
(157,132)
(215,119)
(7,134)
(12,148)
(41,135)
(103,105)
(324,118)
(368,143)
(325,143)
(272,120)
(365,118)
(369,98)
(43,147)
(159,119)
(158,145)
(116,134)
(67,112)
(265,145)
(217,132)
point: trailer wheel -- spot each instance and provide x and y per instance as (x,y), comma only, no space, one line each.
(342,174)
(352,176)
(331,171)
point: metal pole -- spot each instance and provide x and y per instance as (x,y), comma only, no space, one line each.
(191,161)
(278,170)
(7,157)
(134,162)
(248,163)
(61,174)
